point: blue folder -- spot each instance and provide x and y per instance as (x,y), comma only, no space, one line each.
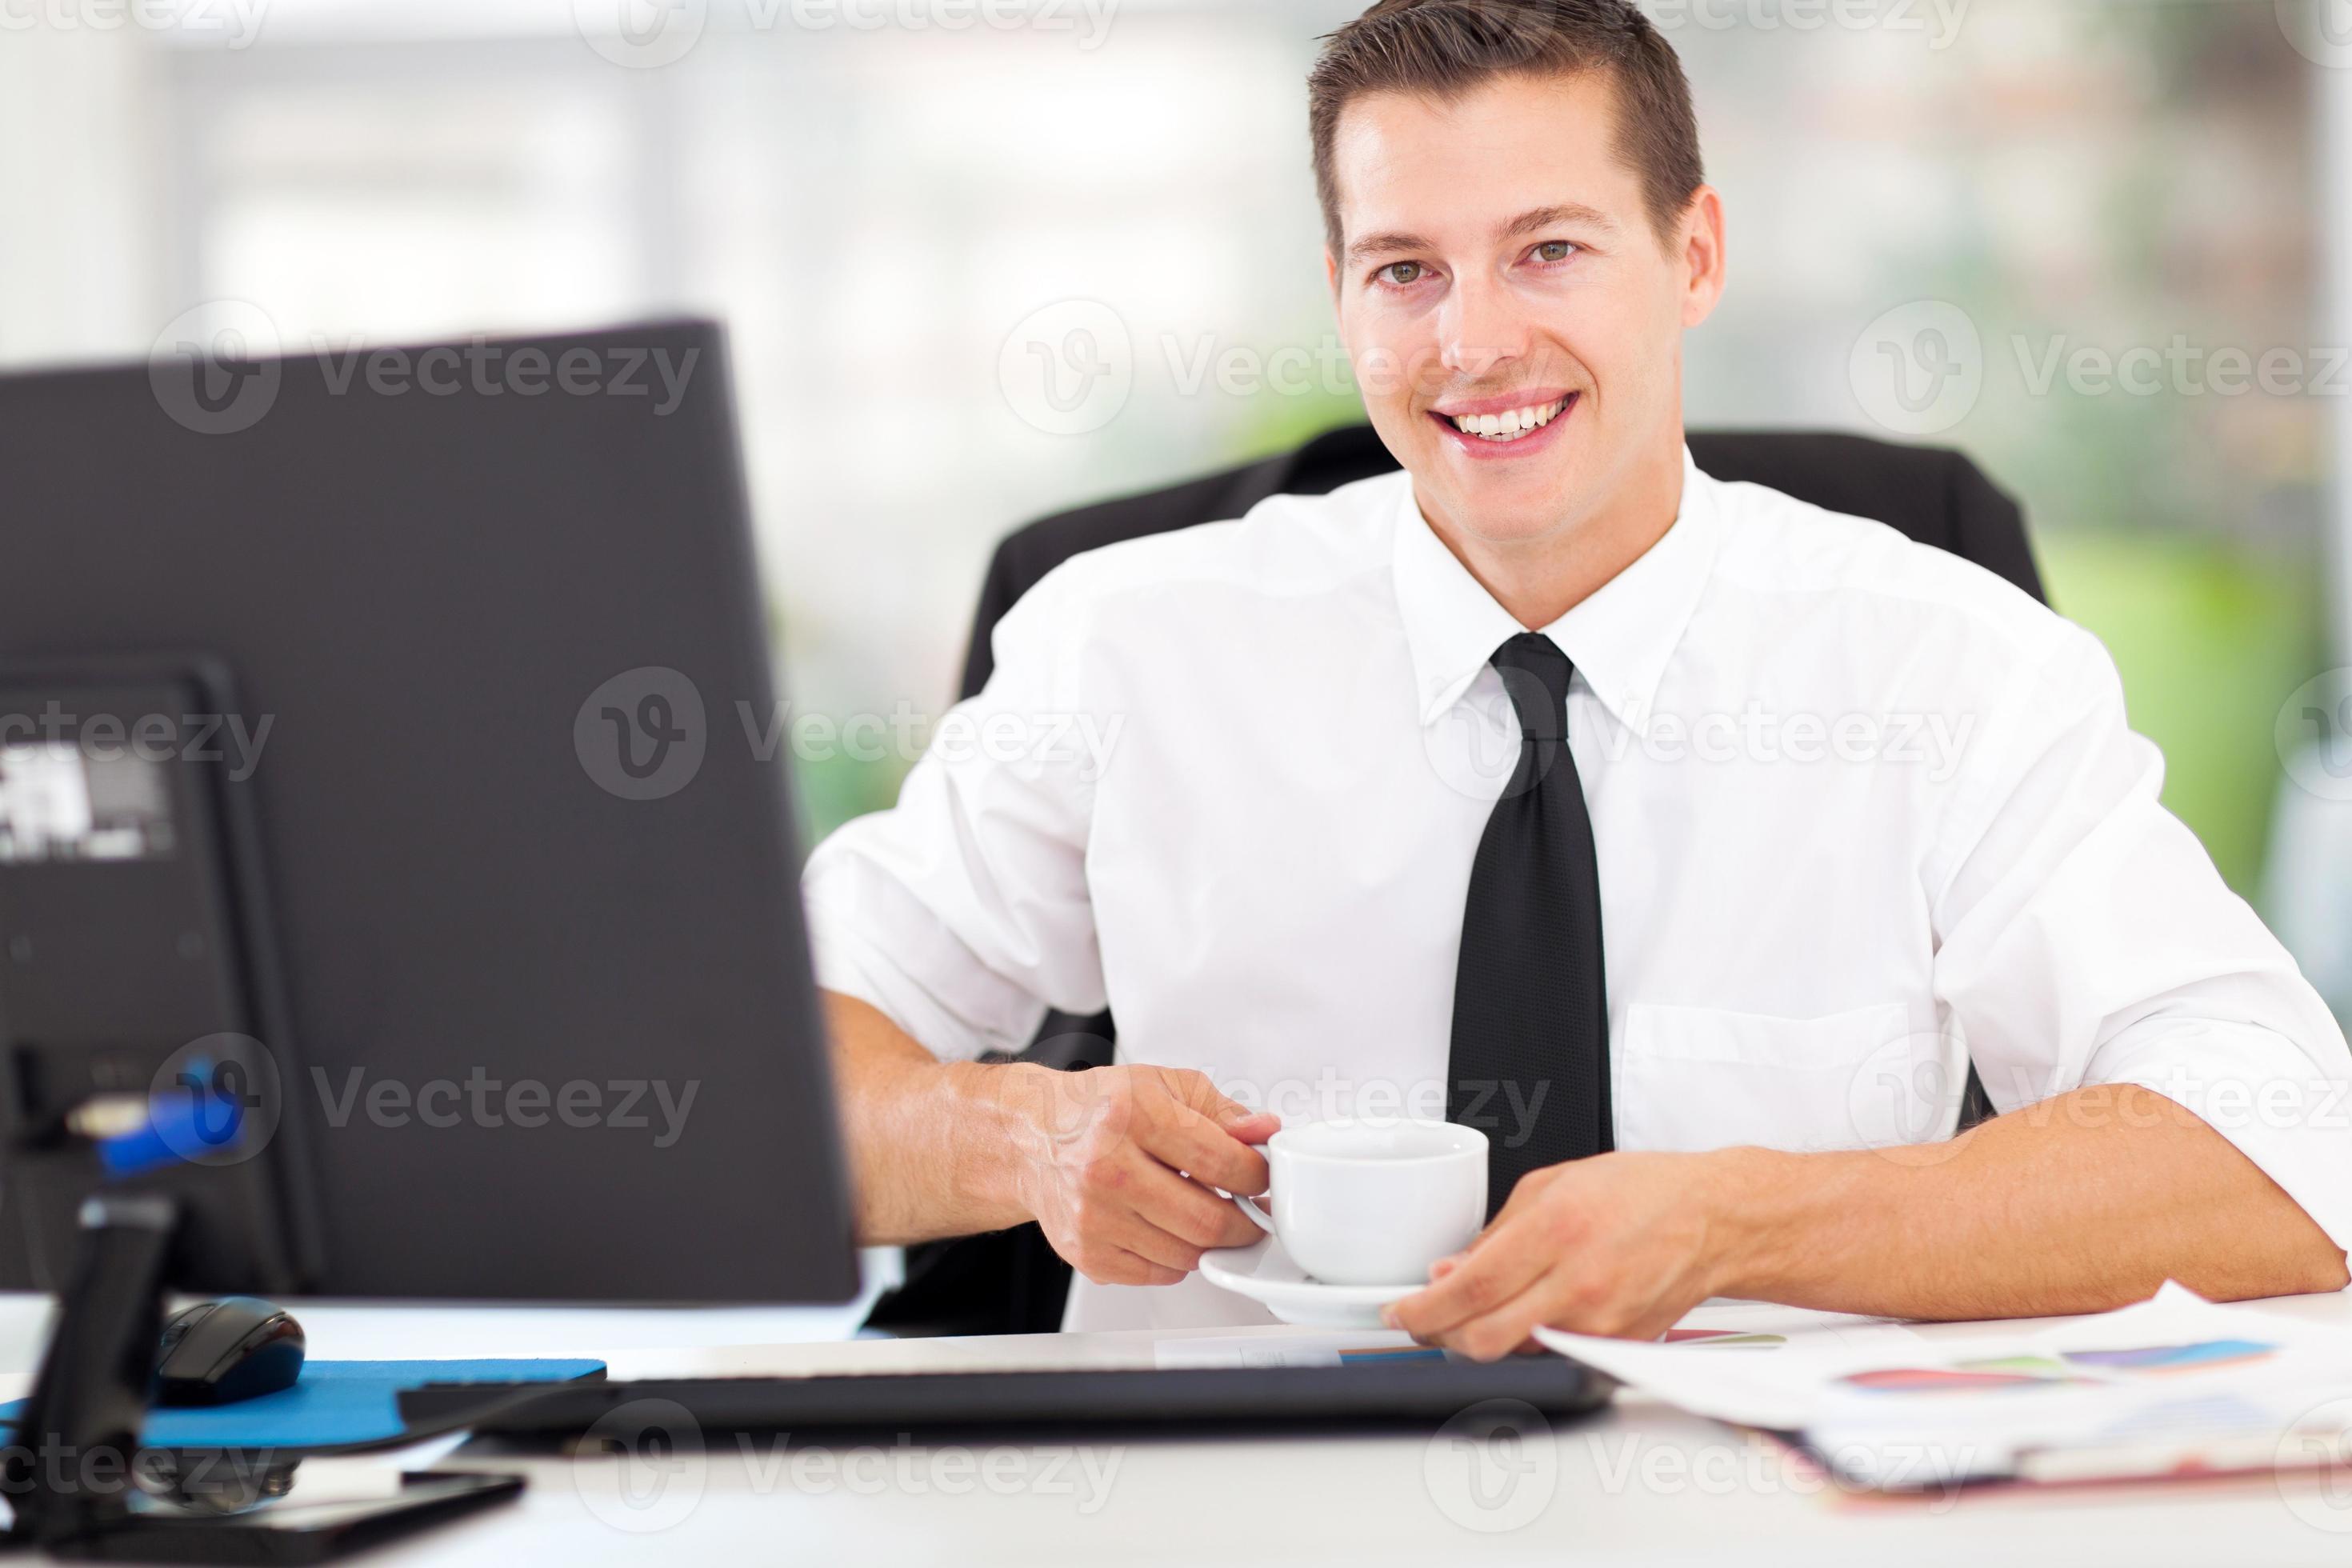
(335,1402)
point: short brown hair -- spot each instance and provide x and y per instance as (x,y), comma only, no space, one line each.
(1445,48)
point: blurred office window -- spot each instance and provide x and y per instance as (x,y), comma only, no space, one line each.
(893,219)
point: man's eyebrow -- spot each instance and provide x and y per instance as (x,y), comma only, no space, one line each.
(1527,223)
(1373,245)
(1568,213)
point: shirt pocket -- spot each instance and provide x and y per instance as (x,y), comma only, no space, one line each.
(1695,1078)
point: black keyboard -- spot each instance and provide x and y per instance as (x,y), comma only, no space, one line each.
(1400,1390)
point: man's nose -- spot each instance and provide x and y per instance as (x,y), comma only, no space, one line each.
(1479,326)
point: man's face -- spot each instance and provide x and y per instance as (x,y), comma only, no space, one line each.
(1501,273)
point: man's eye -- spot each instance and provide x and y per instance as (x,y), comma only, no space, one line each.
(1555,250)
(1402,274)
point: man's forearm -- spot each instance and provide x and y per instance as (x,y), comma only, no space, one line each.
(932,1143)
(2081,1203)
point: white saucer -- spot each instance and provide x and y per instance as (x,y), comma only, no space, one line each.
(1265,1274)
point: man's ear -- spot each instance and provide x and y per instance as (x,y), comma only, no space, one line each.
(1703,262)
(1332,273)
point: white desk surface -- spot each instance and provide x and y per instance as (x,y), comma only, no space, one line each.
(1640,1483)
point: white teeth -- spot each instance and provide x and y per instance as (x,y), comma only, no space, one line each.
(1512,426)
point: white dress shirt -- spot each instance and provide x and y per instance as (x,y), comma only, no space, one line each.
(1864,811)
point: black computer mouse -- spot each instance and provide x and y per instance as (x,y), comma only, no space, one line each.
(218,1353)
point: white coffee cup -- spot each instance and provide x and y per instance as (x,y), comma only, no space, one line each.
(1374,1201)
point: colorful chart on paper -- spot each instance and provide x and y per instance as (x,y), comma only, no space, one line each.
(1724,1339)
(2057,1371)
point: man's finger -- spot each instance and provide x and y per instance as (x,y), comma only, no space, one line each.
(1129,1231)
(1117,1266)
(1195,1091)
(1184,1208)
(1494,1335)
(1184,1139)
(1512,1258)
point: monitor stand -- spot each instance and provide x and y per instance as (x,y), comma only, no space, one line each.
(82,1484)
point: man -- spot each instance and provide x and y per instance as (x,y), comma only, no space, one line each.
(1835,814)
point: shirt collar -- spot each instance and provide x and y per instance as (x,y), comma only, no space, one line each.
(1619,638)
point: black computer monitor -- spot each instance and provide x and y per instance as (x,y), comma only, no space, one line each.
(392,883)
(524,890)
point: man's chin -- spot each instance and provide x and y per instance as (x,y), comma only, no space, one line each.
(1507,531)
(1505,512)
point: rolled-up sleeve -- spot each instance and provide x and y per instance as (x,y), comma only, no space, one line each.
(961,913)
(2086,937)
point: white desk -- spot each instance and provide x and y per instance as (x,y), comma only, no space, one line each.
(1640,1483)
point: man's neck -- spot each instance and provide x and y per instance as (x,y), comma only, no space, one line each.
(1541,579)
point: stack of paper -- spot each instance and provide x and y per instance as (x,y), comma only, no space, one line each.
(2174,1386)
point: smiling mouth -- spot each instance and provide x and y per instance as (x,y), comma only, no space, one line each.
(1516,424)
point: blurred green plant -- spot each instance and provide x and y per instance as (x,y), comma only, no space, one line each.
(2210,639)
(832,790)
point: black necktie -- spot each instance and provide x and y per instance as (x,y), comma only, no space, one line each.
(1530,1058)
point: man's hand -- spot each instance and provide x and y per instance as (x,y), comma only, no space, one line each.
(1617,1245)
(2082,1203)
(1117,1164)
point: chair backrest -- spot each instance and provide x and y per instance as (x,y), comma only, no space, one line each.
(1935,496)
(1010,1281)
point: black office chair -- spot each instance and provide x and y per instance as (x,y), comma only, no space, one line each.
(1011,1281)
